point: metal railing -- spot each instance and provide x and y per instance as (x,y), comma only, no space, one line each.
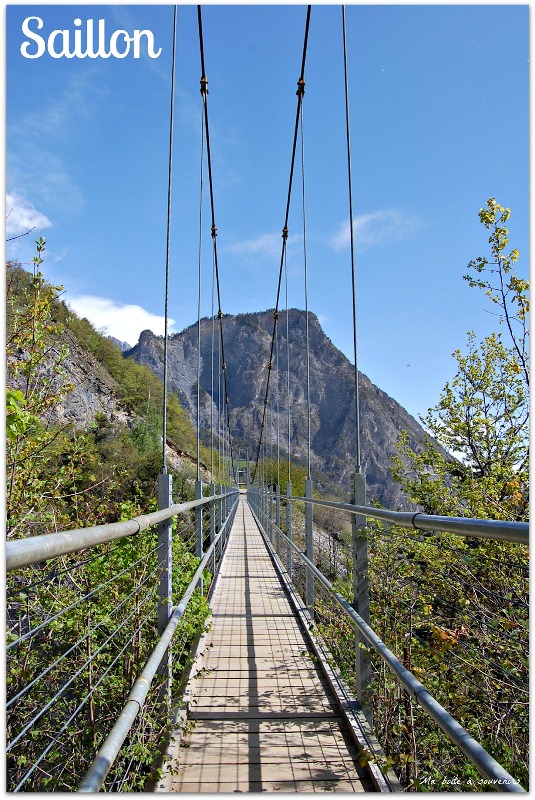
(498,530)
(91,655)
(296,555)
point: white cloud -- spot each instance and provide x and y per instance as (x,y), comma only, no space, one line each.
(124,322)
(268,245)
(22,216)
(379,227)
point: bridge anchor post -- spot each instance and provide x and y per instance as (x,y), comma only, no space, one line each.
(361,593)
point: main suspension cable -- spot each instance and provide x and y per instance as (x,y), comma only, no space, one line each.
(199,286)
(212,377)
(289,398)
(204,94)
(300,93)
(351,237)
(168,242)
(307,337)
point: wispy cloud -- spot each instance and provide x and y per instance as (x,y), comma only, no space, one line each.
(376,228)
(58,116)
(22,216)
(36,137)
(268,245)
(125,322)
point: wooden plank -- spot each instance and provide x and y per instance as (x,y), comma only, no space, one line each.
(263,717)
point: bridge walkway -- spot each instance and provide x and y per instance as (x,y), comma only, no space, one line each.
(263,717)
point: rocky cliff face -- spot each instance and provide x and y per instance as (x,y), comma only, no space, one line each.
(94,393)
(247,349)
(94,390)
(123,346)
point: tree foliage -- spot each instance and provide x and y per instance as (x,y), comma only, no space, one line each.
(481,419)
(455,610)
(80,627)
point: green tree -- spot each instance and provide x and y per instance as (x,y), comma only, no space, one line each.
(481,419)
(79,627)
(36,381)
(461,603)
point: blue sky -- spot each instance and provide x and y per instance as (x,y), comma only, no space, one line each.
(439,122)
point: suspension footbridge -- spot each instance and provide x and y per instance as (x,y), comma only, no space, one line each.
(212,646)
(264,717)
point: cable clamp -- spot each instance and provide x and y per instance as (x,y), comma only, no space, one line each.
(214,231)
(275,315)
(285,232)
(219,314)
(204,85)
(300,87)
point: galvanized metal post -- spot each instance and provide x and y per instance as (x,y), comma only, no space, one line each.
(289,527)
(361,594)
(309,542)
(270,513)
(165,594)
(213,526)
(278,518)
(198,526)
(212,513)
(220,507)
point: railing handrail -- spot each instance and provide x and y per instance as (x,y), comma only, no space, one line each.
(501,530)
(34,549)
(109,750)
(475,752)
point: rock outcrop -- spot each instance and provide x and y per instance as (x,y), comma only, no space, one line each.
(332,396)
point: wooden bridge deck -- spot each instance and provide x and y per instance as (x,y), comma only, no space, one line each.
(263,716)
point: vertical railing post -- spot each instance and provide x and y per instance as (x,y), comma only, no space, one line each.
(198,526)
(212,527)
(270,513)
(361,595)
(165,594)
(289,527)
(309,542)
(212,513)
(221,518)
(278,518)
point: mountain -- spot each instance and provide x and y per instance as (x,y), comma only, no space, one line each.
(247,340)
(123,346)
